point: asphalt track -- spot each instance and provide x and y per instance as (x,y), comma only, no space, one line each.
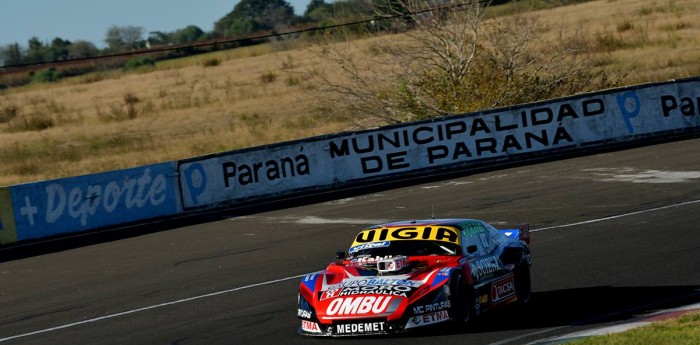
(616,235)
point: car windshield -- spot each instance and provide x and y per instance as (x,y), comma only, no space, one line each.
(407,248)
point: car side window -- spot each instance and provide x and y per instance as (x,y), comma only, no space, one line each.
(473,233)
(473,240)
(498,237)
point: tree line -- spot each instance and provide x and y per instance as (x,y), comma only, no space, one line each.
(247,17)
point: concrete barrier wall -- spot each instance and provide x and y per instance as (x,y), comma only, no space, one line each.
(318,164)
(73,204)
(7,219)
(571,125)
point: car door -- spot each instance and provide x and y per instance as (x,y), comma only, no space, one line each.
(479,247)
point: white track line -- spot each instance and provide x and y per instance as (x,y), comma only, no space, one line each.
(617,216)
(133,311)
(552,329)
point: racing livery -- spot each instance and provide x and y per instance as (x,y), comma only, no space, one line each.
(399,276)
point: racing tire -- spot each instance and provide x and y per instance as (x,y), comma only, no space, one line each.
(523,284)
(462,309)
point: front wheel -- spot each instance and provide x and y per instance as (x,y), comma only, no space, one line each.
(461,303)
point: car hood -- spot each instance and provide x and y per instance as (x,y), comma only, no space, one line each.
(345,292)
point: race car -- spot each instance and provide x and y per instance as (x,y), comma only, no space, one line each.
(401,276)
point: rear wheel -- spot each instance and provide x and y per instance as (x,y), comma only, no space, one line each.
(523,285)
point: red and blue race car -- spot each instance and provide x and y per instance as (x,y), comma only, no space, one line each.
(400,276)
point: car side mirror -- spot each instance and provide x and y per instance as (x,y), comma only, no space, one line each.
(471,249)
(340,255)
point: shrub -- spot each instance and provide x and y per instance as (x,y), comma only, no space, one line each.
(37,122)
(138,63)
(293,80)
(8,112)
(46,76)
(268,77)
(212,62)
(130,101)
(625,26)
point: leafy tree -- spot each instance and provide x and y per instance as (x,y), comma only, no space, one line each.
(158,38)
(124,38)
(313,5)
(82,49)
(11,54)
(189,34)
(59,50)
(35,52)
(256,15)
(318,10)
(240,26)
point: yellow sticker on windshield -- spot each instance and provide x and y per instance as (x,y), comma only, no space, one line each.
(428,233)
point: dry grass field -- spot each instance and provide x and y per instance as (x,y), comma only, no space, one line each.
(259,95)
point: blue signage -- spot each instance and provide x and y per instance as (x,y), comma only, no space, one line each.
(92,201)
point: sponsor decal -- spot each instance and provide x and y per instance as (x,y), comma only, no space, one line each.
(392,264)
(629,105)
(268,171)
(366,305)
(372,245)
(371,260)
(309,326)
(442,276)
(365,327)
(471,227)
(427,319)
(87,202)
(429,308)
(535,128)
(402,291)
(82,202)
(445,272)
(483,299)
(433,233)
(329,294)
(686,106)
(397,280)
(484,240)
(502,289)
(248,173)
(303,313)
(310,279)
(484,268)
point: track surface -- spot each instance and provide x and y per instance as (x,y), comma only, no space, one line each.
(584,275)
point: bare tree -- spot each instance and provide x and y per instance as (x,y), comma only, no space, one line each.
(447,60)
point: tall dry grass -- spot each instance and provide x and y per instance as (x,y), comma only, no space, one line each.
(258,95)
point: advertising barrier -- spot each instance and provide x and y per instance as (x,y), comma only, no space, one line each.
(569,124)
(7,221)
(88,202)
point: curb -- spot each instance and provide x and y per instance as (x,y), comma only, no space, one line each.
(637,322)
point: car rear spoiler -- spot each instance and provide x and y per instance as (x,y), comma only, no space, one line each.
(522,233)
